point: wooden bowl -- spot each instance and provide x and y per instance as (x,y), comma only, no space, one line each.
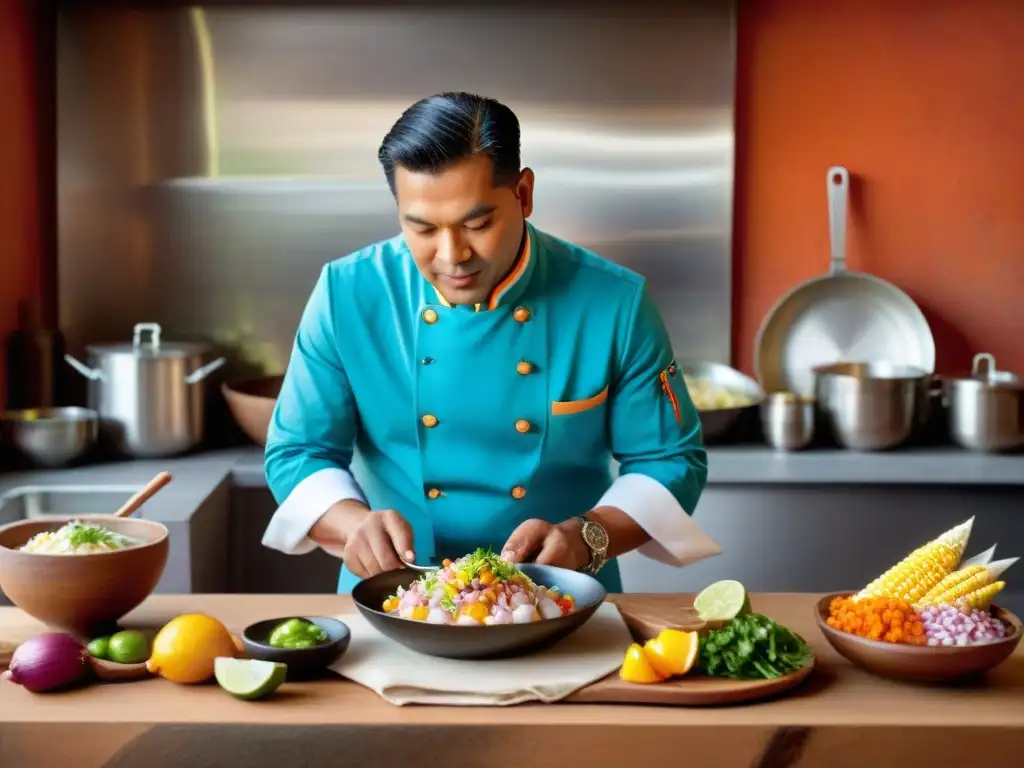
(252,404)
(920,663)
(84,595)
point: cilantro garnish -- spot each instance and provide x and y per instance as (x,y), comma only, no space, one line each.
(752,647)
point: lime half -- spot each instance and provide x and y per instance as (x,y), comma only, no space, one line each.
(248,678)
(722,601)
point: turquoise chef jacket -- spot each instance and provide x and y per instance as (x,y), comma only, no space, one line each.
(469,420)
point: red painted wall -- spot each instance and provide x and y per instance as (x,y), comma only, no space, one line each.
(923,100)
(20,246)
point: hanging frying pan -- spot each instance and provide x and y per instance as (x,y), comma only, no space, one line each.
(839,317)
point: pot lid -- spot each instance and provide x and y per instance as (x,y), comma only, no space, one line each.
(984,372)
(147,342)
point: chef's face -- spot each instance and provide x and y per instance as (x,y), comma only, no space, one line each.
(463,230)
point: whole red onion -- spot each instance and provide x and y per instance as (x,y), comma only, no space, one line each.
(49,662)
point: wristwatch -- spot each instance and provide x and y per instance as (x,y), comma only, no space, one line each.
(596,539)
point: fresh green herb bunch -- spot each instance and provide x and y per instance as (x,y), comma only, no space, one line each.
(82,534)
(752,647)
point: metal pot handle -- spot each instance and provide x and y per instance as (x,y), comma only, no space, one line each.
(90,373)
(154,334)
(838,181)
(990,367)
(201,373)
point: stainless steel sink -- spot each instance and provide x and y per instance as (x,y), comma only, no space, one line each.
(33,501)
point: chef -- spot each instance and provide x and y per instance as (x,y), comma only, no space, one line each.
(477,376)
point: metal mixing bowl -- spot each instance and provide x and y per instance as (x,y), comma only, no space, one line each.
(50,437)
(717,422)
(872,406)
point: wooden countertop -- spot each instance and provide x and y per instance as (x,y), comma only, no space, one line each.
(837,695)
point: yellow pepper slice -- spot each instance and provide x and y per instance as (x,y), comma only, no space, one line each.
(673,652)
(636,667)
(420,613)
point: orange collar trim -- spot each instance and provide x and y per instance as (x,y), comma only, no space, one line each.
(502,288)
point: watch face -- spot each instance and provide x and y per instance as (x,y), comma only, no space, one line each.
(596,537)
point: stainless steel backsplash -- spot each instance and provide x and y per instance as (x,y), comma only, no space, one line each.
(212,160)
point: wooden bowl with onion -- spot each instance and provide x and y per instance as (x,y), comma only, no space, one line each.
(921,663)
(252,404)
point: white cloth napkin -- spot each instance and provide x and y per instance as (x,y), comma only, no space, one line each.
(402,676)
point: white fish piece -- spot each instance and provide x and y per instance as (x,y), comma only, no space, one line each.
(501,616)
(548,609)
(439,616)
(524,614)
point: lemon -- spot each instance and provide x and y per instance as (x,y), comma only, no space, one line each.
(722,601)
(637,668)
(185,649)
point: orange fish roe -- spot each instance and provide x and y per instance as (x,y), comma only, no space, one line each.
(877,618)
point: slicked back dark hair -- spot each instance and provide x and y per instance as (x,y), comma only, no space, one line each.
(443,129)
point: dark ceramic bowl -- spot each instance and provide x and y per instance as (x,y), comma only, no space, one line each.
(499,641)
(303,663)
(920,663)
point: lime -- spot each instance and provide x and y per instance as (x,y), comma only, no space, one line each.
(128,647)
(249,679)
(722,601)
(99,648)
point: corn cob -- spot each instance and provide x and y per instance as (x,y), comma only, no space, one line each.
(980,599)
(965,580)
(974,582)
(916,574)
(982,558)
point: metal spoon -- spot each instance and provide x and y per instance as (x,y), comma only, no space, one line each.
(420,568)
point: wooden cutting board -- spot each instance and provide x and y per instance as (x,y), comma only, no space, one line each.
(646,617)
(13,636)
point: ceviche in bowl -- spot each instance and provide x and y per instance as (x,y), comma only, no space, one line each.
(478,606)
(480,588)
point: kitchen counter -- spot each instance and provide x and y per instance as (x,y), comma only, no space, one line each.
(839,717)
(198,475)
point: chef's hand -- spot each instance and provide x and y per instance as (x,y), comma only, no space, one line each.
(561,545)
(369,541)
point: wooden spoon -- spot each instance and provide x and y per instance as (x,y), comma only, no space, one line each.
(144,495)
(112,672)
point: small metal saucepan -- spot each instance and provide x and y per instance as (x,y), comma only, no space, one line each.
(787,420)
(986,409)
(872,406)
(148,393)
